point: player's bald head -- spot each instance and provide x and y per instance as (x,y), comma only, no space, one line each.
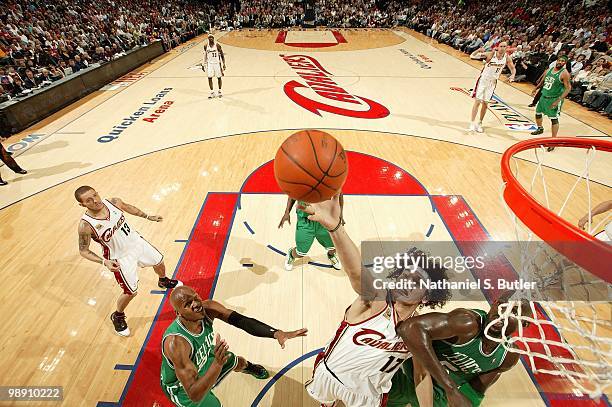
(179,295)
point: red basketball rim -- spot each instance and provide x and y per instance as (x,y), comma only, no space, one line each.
(593,255)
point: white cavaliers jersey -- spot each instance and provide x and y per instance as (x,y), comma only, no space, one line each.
(493,68)
(113,233)
(212,54)
(365,356)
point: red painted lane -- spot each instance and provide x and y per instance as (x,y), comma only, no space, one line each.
(368,175)
(198,269)
(469,235)
(280,38)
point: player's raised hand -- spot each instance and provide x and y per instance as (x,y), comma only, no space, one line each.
(327,213)
(282,336)
(583,221)
(286,218)
(112,265)
(155,218)
(221,350)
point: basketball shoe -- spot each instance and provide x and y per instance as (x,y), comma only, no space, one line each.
(212,94)
(219,94)
(335,261)
(479,128)
(121,327)
(168,283)
(257,371)
(289,260)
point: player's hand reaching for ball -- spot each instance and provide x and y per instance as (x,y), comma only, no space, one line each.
(327,213)
(282,336)
(221,348)
(154,218)
(583,221)
(112,265)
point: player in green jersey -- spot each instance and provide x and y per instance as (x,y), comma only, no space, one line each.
(194,361)
(555,86)
(452,347)
(306,231)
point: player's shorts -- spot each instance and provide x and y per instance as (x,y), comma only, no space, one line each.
(327,390)
(214,70)
(179,397)
(142,254)
(403,391)
(544,107)
(484,89)
(306,231)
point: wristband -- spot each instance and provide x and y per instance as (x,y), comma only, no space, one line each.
(337,226)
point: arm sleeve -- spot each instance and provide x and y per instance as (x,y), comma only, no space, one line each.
(251,325)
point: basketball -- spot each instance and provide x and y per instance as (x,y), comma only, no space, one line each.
(310,166)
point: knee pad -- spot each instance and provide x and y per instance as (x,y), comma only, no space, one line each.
(554,121)
(538,115)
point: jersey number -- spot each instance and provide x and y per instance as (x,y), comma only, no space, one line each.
(213,54)
(391,364)
(548,82)
(125,229)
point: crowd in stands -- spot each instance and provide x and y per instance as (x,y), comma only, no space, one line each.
(537,33)
(44,41)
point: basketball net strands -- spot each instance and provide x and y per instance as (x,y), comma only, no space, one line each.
(570,319)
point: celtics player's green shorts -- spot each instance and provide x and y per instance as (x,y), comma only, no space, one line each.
(544,107)
(305,233)
(179,397)
(403,391)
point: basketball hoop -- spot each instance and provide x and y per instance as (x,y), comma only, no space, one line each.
(570,335)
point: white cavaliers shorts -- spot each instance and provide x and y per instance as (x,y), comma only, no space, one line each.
(214,70)
(484,89)
(142,254)
(327,390)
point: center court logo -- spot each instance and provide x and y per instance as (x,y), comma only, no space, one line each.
(511,118)
(319,86)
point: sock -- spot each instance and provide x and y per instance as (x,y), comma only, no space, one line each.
(120,314)
(163,278)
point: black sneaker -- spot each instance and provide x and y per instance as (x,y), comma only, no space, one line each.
(539,130)
(168,283)
(550,149)
(257,371)
(121,327)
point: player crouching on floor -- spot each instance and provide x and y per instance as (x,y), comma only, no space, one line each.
(194,360)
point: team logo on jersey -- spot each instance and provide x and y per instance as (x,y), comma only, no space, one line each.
(512,119)
(375,339)
(108,233)
(321,93)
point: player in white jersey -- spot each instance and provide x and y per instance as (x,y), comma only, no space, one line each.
(124,250)
(606,234)
(487,81)
(213,58)
(359,362)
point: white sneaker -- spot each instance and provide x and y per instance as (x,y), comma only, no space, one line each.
(289,260)
(212,95)
(472,127)
(335,262)
(479,128)
(220,95)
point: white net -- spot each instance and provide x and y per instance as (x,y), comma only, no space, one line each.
(566,329)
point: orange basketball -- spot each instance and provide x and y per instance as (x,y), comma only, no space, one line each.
(310,166)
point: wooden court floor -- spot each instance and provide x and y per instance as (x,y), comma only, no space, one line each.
(204,165)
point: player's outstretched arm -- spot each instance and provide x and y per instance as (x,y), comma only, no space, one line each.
(476,388)
(599,209)
(251,326)
(132,210)
(419,332)
(423,385)
(177,349)
(328,214)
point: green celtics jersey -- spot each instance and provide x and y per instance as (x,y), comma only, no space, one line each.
(468,360)
(300,213)
(202,352)
(553,86)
